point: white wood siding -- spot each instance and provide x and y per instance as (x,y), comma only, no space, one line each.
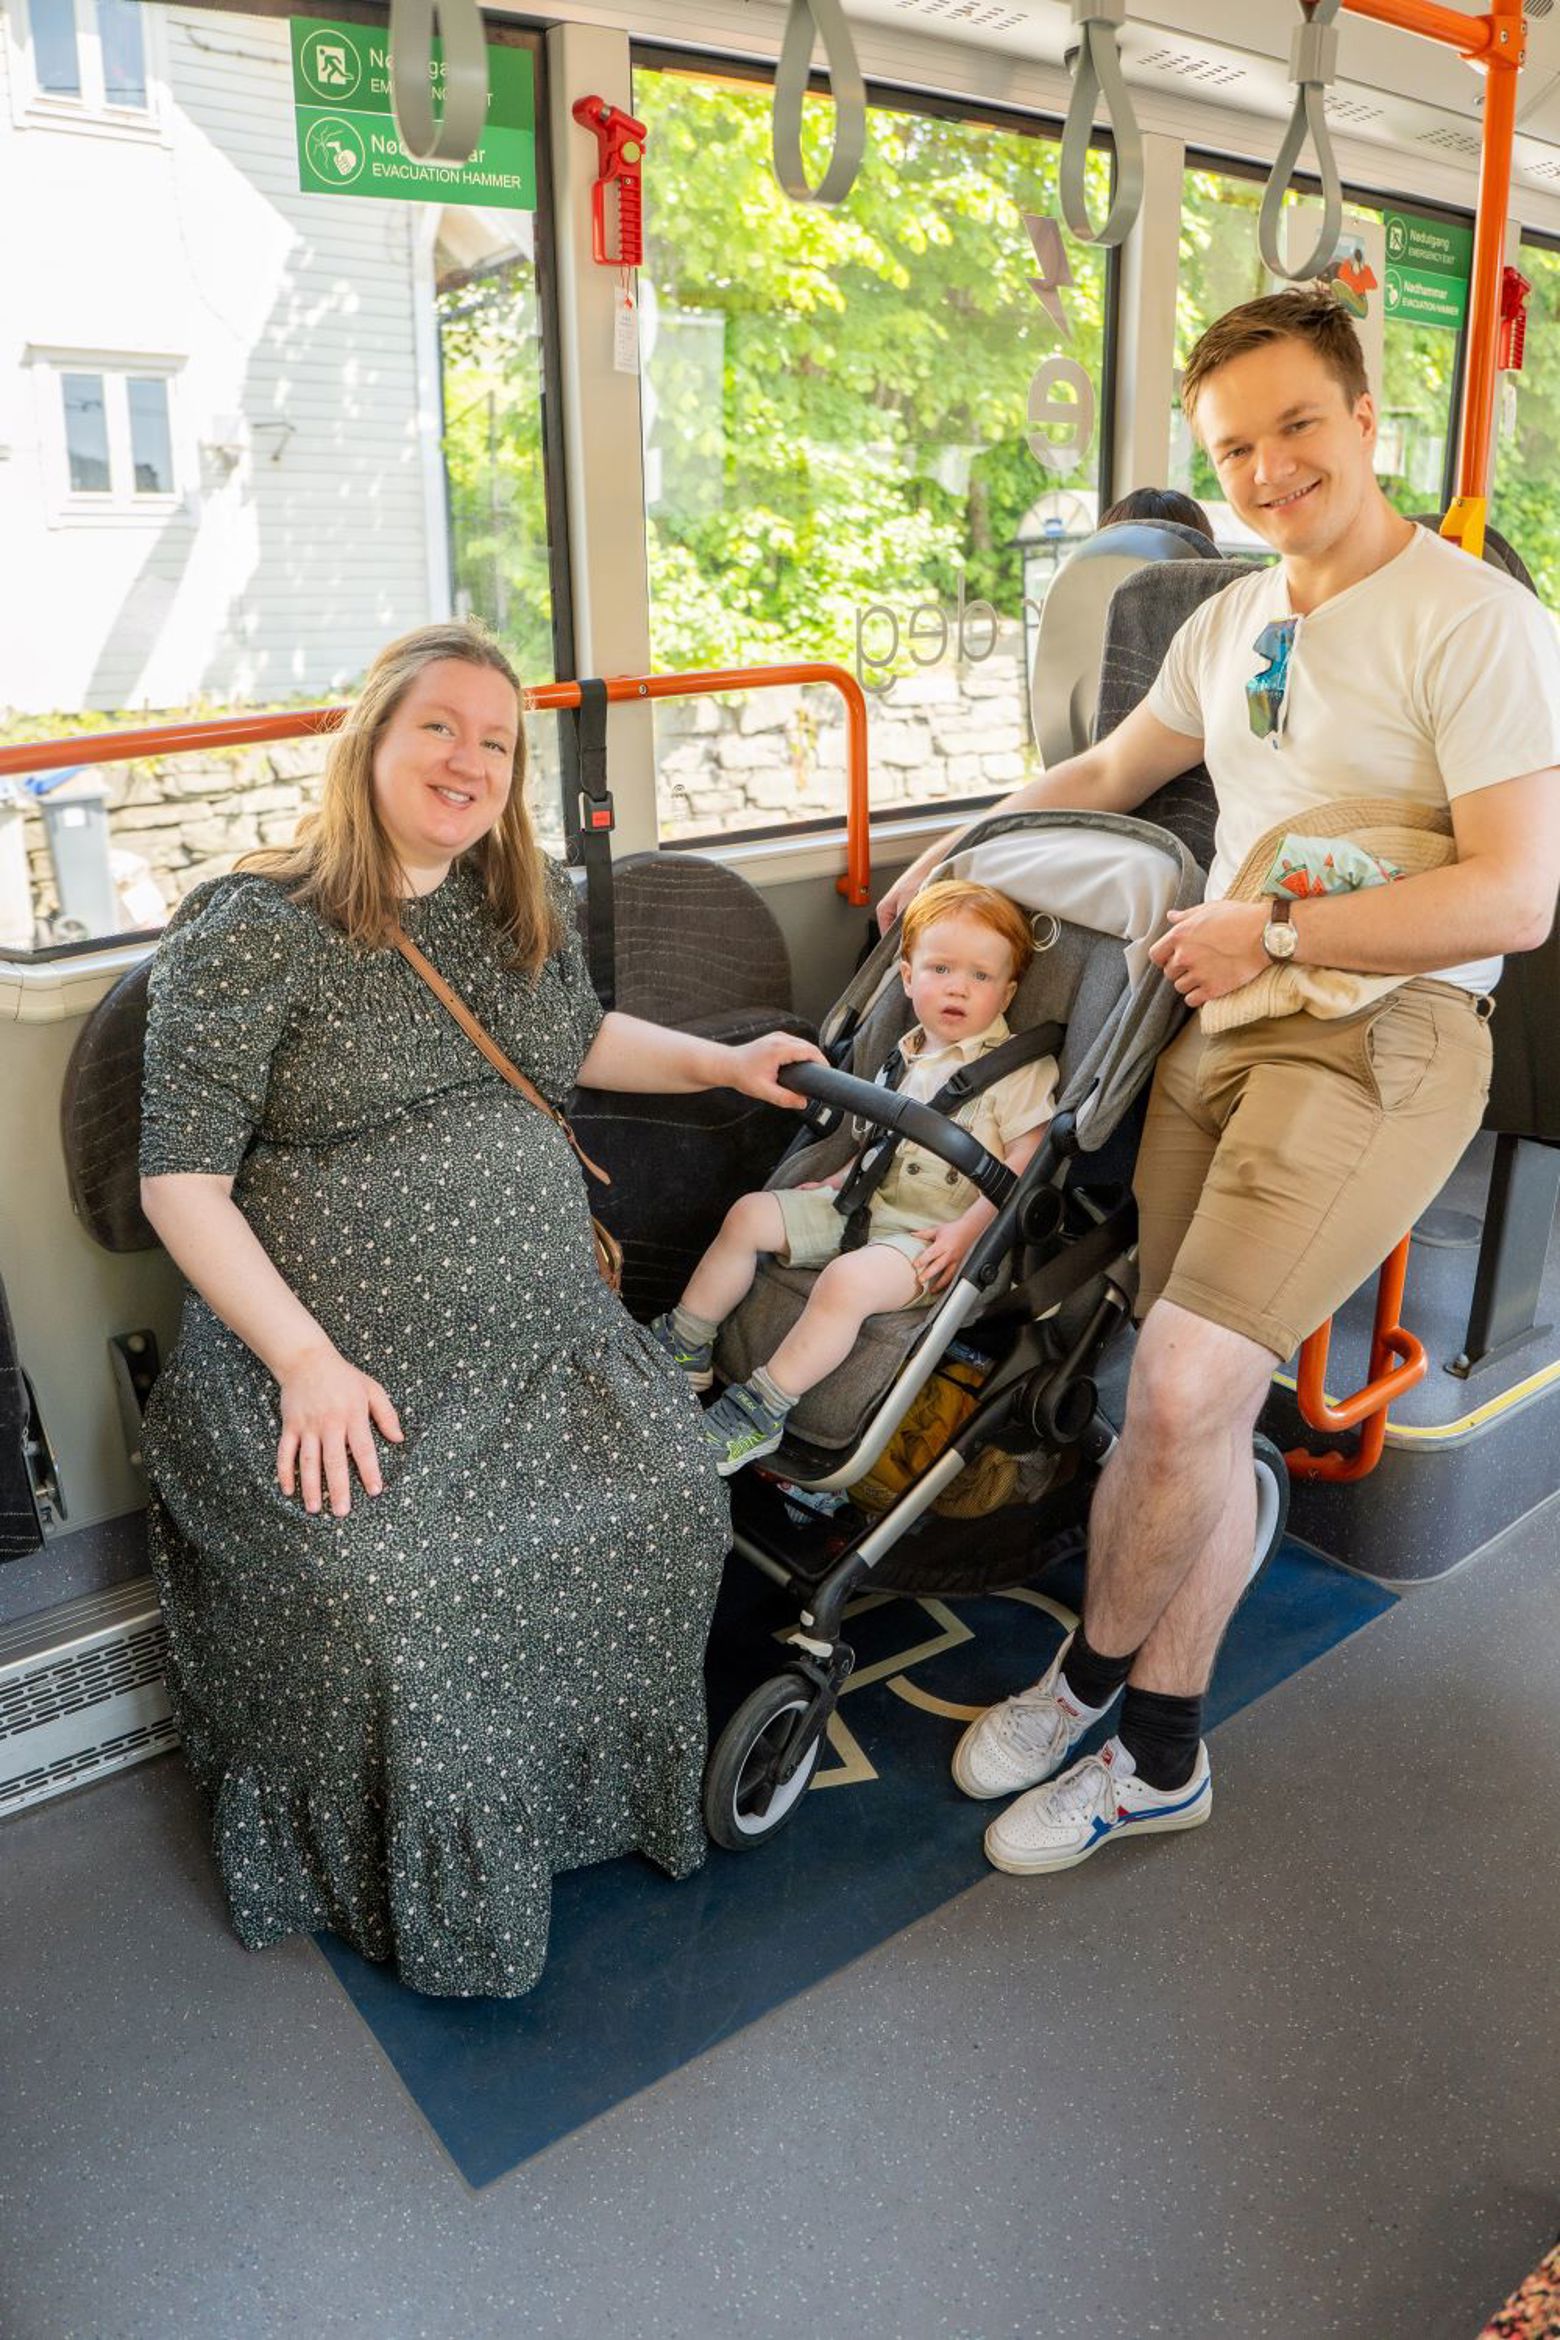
(302,539)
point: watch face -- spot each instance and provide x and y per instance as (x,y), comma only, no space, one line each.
(1278,939)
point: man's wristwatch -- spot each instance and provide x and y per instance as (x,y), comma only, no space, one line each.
(1278,936)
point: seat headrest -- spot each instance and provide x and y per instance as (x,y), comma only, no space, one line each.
(1064,678)
(1497,551)
(100,1117)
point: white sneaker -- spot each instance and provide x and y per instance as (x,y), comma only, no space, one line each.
(1060,1824)
(1023,1740)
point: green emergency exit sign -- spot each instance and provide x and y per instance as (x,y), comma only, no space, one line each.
(1428,263)
(347,142)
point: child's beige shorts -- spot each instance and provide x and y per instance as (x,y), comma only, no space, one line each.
(814,1231)
(1282,1162)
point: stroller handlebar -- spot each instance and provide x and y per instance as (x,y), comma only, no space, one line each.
(866,1101)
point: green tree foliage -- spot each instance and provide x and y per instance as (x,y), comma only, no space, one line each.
(1526,505)
(493,460)
(837,400)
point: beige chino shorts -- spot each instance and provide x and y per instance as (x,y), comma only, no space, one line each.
(1282,1162)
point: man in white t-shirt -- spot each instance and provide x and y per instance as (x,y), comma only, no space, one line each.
(1282,1160)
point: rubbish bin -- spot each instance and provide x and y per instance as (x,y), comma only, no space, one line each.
(16,904)
(74,806)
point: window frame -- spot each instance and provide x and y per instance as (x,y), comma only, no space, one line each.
(93,113)
(122,505)
(933,814)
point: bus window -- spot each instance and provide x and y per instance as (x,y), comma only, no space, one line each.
(867,439)
(255,431)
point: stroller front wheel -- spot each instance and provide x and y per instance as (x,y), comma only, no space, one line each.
(1272,1503)
(745,1799)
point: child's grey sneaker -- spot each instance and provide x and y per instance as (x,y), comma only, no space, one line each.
(741,1429)
(697,1363)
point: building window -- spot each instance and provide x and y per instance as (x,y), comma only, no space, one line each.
(84,60)
(151,446)
(86,434)
(870,436)
(56,56)
(117,428)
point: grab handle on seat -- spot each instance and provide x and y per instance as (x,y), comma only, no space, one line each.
(892,1110)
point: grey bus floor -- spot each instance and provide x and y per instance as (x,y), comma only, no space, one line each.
(1290,2076)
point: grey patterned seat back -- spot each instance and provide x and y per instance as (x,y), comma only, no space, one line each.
(1145,615)
(694,941)
(1115,1029)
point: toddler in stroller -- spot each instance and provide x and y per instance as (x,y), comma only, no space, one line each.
(1039,1293)
(889,1228)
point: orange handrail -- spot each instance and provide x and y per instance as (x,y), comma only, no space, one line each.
(1495,43)
(168,739)
(856,884)
(1470,34)
(1382,1386)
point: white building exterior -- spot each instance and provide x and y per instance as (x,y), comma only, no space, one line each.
(167,244)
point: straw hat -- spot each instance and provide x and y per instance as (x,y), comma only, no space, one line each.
(1413,837)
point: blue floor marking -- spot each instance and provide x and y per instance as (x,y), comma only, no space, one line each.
(643,1974)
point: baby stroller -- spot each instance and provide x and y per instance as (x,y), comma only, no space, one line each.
(1039,1297)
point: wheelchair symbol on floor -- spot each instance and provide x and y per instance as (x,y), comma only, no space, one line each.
(854,1767)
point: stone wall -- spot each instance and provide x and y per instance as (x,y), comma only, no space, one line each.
(724,765)
(779,755)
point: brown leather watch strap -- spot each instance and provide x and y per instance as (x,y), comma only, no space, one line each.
(452,1002)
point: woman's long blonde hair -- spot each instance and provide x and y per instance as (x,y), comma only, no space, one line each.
(342,864)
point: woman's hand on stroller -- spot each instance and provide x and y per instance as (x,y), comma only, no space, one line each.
(1212,949)
(752,1068)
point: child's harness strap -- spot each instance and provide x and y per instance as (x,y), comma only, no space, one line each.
(876,1157)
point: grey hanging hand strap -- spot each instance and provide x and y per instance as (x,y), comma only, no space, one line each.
(1095,59)
(826,19)
(1313,61)
(457,133)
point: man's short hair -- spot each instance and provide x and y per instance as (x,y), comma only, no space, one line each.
(1307,313)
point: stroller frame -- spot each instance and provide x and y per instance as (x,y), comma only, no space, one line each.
(1063,1240)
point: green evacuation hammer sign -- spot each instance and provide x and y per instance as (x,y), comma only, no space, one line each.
(347,142)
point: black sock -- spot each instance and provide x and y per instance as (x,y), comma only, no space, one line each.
(1092,1679)
(1161,1734)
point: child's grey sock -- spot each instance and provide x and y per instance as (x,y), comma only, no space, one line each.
(695,1332)
(772,1395)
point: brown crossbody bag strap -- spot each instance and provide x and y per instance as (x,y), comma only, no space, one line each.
(609,1252)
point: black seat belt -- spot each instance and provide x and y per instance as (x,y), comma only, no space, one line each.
(874,1161)
(590,838)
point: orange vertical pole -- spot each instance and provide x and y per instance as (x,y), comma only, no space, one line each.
(1465,522)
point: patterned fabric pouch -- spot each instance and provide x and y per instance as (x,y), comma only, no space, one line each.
(1325,865)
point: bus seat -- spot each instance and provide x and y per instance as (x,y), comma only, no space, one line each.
(1145,614)
(1525,1078)
(698,948)
(100,1117)
(1064,677)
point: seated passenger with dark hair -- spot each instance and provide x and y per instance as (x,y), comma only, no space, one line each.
(1159,504)
(412,1706)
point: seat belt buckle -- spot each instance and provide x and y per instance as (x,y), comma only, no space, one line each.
(596,813)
